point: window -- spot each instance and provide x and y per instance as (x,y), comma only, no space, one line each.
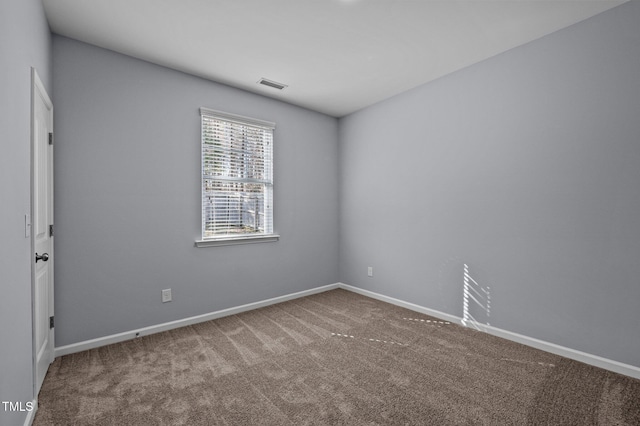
(237,179)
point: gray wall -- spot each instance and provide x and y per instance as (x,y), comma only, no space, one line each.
(25,42)
(526,168)
(127,186)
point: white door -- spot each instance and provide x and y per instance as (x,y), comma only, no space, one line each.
(41,228)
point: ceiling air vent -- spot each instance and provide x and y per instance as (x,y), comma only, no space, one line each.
(271,83)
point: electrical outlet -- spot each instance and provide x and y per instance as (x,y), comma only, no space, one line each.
(370,271)
(166,295)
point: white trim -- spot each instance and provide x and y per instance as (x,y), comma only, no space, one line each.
(597,361)
(232,241)
(128,335)
(402,303)
(31,415)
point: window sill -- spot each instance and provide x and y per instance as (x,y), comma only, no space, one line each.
(232,241)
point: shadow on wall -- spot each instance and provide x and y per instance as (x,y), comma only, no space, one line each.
(476,302)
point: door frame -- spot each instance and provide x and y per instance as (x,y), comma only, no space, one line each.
(38,90)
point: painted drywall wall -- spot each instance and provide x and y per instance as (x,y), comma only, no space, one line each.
(526,169)
(25,42)
(127,185)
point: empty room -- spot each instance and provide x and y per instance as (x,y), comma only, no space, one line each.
(287,212)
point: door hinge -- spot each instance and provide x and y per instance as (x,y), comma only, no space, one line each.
(51,230)
(51,322)
(50,138)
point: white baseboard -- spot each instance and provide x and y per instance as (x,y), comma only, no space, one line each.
(597,361)
(128,335)
(31,415)
(402,303)
(607,364)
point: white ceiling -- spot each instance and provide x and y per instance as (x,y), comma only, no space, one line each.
(336,56)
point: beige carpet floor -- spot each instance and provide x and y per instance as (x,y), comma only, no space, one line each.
(335,358)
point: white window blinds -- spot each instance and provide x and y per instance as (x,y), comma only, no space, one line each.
(237,176)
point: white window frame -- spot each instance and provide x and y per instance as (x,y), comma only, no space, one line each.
(241,238)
